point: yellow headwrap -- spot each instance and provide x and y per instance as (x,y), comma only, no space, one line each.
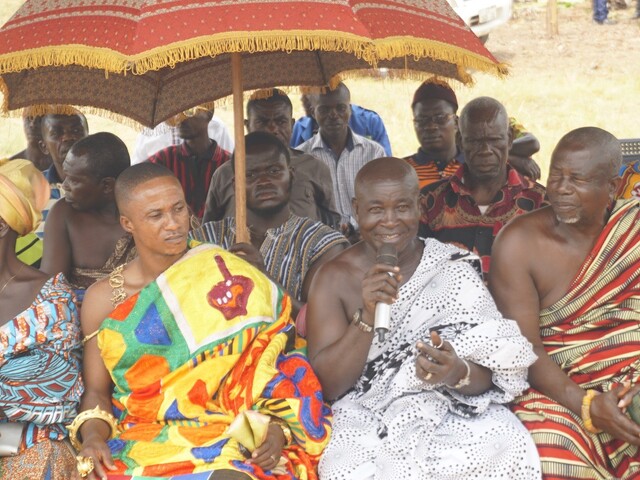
(24,192)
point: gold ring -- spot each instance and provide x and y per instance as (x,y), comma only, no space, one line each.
(273,457)
(428,376)
(439,346)
(84,465)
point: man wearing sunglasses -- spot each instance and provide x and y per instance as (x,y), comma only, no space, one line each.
(194,161)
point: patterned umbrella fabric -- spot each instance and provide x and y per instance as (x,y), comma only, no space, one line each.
(148,60)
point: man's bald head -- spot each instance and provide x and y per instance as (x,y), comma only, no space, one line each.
(483,109)
(386,169)
(604,148)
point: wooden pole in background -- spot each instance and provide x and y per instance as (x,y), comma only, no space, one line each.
(552,18)
(242,232)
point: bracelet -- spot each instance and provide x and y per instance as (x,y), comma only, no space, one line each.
(357,321)
(90,415)
(286,431)
(586,411)
(464,381)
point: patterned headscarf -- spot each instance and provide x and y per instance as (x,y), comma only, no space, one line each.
(437,89)
(24,192)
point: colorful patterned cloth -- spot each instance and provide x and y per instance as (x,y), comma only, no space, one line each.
(394,426)
(289,251)
(451,215)
(630,184)
(429,170)
(40,382)
(593,333)
(210,338)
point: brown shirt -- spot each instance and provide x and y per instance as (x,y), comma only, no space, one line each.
(311,194)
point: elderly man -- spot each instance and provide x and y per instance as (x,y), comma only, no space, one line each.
(469,208)
(194,161)
(288,248)
(342,150)
(84,238)
(569,274)
(425,402)
(312,189)
(435,122)
(190,338)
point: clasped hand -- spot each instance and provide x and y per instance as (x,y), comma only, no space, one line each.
(438,365)
(380,285)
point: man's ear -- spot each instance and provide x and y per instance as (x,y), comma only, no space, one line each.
(108,185)
(126,224)
(614,186)
(354,208)
(246,125)
(4,228)
(43,147)
(510,136)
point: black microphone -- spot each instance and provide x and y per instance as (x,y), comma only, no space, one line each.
(388,255)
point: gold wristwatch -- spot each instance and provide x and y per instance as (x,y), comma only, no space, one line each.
(357,321)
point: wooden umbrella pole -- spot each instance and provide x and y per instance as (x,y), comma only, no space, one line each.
(242,232)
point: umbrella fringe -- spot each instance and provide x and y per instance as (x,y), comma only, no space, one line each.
(246,42)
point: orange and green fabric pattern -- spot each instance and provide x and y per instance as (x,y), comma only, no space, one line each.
(210,338)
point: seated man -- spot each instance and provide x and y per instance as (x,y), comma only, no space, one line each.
(40,348)
(84,238)
(33,133)
(342,150)
(630,183)
(469,208)
(362,121)
(435,121)
(194,161)
(288,248)
(312,189)
(425,402)
(188,338)
(569,274)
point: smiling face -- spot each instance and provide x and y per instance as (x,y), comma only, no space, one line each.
(387,211)
(156,214)
(580,187)
(268,180)
(486,140)
(435,124)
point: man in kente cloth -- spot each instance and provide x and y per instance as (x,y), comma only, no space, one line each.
(569,274)
(189,337)
(425,402)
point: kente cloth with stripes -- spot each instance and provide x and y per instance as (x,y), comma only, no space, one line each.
(289,251)
(593,334)
(209,338)
(40,354)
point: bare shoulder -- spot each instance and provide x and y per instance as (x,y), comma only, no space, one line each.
(525,230)
(96,306)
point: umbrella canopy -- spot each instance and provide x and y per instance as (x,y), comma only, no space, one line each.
(148,60)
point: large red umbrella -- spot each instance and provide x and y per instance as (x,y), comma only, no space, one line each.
(150,59)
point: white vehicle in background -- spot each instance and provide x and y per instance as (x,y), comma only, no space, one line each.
(483,15)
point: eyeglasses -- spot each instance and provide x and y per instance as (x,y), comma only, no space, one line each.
(440,120)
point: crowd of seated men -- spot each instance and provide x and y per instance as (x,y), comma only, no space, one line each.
(439,316)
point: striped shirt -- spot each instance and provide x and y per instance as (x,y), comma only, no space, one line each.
(429,170)
(289,251)
(358,152)
(193,172)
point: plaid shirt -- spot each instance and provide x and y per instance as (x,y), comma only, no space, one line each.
(193,173)
(451,215)
(344,168)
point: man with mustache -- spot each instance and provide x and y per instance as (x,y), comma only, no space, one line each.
(469,208)
(575,292)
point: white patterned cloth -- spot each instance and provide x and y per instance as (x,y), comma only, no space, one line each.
(392,425)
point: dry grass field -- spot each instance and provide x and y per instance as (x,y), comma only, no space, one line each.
(588,75)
